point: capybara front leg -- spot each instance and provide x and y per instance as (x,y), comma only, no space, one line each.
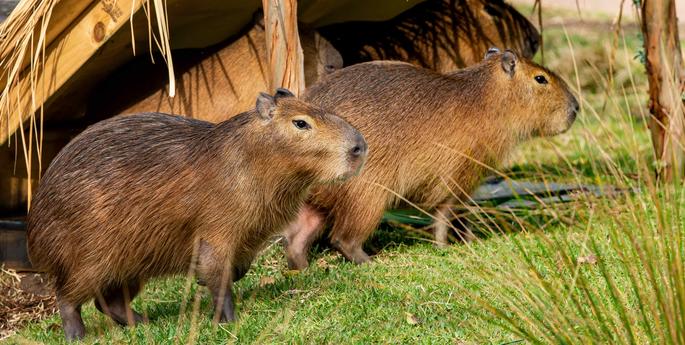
(71,319)
(223,304)
(300,234)
(115,302)
(217,274)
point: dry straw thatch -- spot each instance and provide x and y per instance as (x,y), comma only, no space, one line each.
(31,41)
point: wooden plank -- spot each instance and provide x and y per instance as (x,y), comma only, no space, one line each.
(71,49)
(286,63)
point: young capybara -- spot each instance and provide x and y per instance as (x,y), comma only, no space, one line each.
(212,84)
(430,135)
(442,35)
(136,197)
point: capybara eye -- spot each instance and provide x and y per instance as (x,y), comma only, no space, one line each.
(329,68)
(541,79)
(301,124)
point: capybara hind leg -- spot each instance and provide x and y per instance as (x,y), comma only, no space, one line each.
(71,319)
(115,302)
(441,225)
(300,234)
(353,225)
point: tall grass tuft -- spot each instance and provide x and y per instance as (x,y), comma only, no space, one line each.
(615,274)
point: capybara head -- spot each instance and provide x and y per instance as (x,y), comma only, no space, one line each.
(321,58)
(499,24)
(311,137)
(532,91)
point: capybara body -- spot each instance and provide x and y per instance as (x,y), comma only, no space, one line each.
(442,35)
(141,196)
(211,85)
(430,135)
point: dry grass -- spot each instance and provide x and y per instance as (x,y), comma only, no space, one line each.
(22,301)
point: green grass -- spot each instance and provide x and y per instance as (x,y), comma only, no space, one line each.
(520,282)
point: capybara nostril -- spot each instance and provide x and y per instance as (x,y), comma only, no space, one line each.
(360,147)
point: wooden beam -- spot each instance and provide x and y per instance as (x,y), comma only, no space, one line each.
(283,45)
(666,82)
(68,51)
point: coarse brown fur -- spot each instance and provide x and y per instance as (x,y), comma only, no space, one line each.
(135,197)
(442,35)
(429,134)
(212,84)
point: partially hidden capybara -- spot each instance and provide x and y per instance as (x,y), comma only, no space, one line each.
(141,196)
(212,84)
(431,138)
(442,35)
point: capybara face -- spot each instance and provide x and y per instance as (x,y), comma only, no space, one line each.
(314,136)
(323,58)
(547,100)
(501,24)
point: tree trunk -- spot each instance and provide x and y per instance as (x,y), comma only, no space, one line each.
(283,45)
(665,74)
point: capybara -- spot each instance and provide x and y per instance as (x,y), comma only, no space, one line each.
(430,135)
(141,196)
(442,35)
(212,84)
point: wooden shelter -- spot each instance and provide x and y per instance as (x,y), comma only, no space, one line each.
(54,52)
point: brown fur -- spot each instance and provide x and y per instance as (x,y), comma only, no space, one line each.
(213,84)
(421,126)
(442,35)
(136,197)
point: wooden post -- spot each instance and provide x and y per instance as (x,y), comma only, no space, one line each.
(283,45)
(665,73)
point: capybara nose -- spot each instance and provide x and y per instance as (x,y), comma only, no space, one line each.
(359,149)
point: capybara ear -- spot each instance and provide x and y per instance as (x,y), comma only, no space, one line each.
(265,105)
(281,92)
(491,51)
(509,60)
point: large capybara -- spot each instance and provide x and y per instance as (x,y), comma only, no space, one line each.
(442,35)
(136,197)
(212,84)
(431,137)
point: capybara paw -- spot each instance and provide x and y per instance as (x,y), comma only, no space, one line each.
(227,318)
(74,333)
(351,252)
(297,261)
(360,257)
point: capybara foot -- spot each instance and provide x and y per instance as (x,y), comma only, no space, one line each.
(296,260)
(351,252)
(115,302)
(72,324)
(119,314)
(224,311)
